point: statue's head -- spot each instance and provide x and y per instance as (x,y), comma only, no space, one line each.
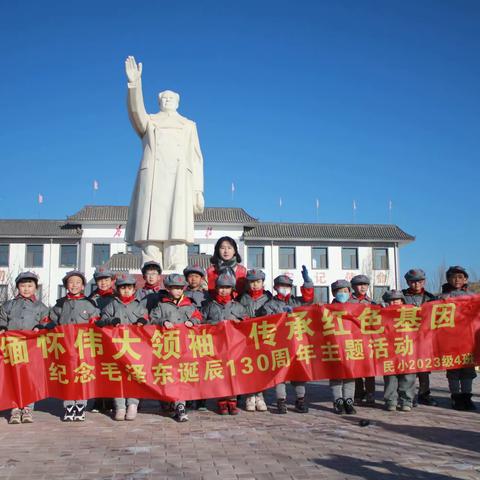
(168,101)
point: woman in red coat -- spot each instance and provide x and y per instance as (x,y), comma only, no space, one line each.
(226,257)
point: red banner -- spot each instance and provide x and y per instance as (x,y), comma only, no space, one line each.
(311,343)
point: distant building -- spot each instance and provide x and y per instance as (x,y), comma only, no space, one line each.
(95,236)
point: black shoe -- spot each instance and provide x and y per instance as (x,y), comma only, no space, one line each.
(458,402)
(415,401)
(201,405)
(79,413)
(339,406)
(190,405)
(181,414)
(300,406)
(426,399)
(69,413)
(467,401)
(349,408)
(282,406)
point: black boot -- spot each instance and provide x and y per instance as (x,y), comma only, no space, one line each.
(69,413)
(282,406)
(467,401)
(300,406)
(79,412)
(349,408)
(426,399)
(458,402)
(339,406)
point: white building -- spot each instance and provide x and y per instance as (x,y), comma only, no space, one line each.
(95,236)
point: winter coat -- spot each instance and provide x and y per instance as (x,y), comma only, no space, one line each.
(253,306)
(240,274)
(69,310)
(175,313)
(101,301)
(417,299)
(198,297)
(214,312)
(365,301)
(22,313)
(280,305)
(118,312)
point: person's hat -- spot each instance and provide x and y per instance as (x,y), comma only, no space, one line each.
(226,280)
(255,274)
(194,269)
(151,266)
(102,272)
(338,284)
(73,273)
(125,279)
(360,280)
(283,280)
(26,276)
(390,295)
(456,269)
(174,280)
(415,275)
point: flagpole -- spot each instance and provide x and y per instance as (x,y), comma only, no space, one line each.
(280,204)
(233,193)
(317,208)
(390,207)
(354,205)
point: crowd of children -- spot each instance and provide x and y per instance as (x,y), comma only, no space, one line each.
(225,292)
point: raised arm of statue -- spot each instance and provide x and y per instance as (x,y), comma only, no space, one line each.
(136,108)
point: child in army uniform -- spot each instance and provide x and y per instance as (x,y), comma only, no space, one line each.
(342,389)
(399,389)
(196,289)
(283,301)
(152,289)
(176,309)
(253,300)
(416,295)
(125,309)
(364,388)
(460,380)
(223,307)
(24,312)
(74,309)
(104,291)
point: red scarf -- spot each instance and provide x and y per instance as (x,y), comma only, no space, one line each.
(149,286)
(283,298)
(256,294)
(70,296)
(127,300)
(360,296)
(223,300)
(105,293)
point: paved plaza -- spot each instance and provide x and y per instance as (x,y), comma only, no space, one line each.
(427,444)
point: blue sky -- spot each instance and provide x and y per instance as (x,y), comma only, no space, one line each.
(343,100)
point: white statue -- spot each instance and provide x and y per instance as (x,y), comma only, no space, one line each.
(169,185)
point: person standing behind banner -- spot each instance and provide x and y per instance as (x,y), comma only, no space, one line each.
(284,301)
(226,257)
(74,309)
(176,309)
(223,307)
(196,288)
(152,289)
(253,300)
(416,295)
(343,390)
(125,309)
(399,390)
(24,312)
(460,380)
(364,388)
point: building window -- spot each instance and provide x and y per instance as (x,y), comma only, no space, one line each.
(4,255)
(255,257)
(61,291)
(286,257)
(319,258)
(349,258)
(194,249)
(380,258)
(3,293)
(378,292)
(34,256)
(321,295)
(101,253)
(68,256)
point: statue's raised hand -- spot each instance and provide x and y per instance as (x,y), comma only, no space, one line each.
(134,71)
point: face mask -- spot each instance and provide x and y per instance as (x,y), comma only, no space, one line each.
(342,297)
(285,291)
